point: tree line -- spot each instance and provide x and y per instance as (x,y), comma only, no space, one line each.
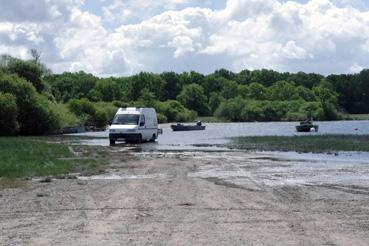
(35,101)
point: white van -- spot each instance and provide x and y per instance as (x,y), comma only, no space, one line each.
(134,125)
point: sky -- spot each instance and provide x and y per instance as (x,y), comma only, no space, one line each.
(124,37)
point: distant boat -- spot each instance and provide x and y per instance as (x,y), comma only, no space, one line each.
(181,127)
(307,126)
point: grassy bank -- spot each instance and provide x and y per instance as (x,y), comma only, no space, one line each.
(356,116)
(318,144)
(22,157)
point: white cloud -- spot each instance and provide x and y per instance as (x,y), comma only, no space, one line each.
(355,68)
(138,10)
(319,36)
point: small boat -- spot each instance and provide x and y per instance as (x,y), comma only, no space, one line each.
(181,127)
(307,126)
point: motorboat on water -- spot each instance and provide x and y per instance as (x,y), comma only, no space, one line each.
(182,127)
(307,126)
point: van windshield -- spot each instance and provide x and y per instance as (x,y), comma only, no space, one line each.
(126,119)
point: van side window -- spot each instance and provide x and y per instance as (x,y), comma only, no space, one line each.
(142,119)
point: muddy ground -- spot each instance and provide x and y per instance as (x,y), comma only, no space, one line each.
(195,198)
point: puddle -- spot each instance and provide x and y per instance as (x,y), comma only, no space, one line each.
(274,169)
(123,177)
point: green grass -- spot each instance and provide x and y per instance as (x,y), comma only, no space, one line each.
(318,144)
(23,156)
(356,116)
(210,119)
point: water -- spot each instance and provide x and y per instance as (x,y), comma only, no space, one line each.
(218,134)
(287,168)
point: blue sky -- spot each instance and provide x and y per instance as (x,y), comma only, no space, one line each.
(96,6)
(123,37)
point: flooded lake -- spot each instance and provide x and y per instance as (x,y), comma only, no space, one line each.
(218,134)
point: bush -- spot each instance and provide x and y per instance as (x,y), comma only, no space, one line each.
(192,96)
(161,118)
(107,90)
(46,119)
(35,114)
(231,109)
(175,111)
(92,114)
(8,114)
(65,116)
(100,119)
(84,109)
(238,109)
(312,110)
(109,108)
(28,70)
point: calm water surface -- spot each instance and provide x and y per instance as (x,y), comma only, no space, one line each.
(218,133)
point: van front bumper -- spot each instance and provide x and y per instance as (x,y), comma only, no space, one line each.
(124,136)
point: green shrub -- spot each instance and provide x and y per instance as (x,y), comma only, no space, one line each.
(81,107)
(162,118)
(28,70)
(92,114)
(231,109)
(65,116)
(100,118)
(109,108)
(294,116)
(35,114)
(193,97)
(238,109)
(8,114)
(175,111)
(84,109)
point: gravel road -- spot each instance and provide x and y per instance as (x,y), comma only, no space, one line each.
(195,198)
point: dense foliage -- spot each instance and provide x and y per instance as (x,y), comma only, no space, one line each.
(34,101)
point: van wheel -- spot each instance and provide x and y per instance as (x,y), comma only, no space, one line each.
(139,139)
(112,142)
(153,138)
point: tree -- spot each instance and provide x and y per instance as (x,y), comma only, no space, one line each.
(346,87)
(8,114)
(212,84)
(85,110)
(244,77)
(243,91)
(282,91)
(147,99)
(231,109)
(144,80)
(363,90)
(175,111)
(224,73)
(172,85)
(307,80)
(27,70)
(304,93)
(108,89)
(230,89)
(35,113)
(266,77)
(257,91)
(328,101)
(214,101)
(36,55)
(67,85)
(192,97)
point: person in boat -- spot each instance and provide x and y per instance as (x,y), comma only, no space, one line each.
(199,123)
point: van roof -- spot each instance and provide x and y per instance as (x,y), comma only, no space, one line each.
(129,110)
